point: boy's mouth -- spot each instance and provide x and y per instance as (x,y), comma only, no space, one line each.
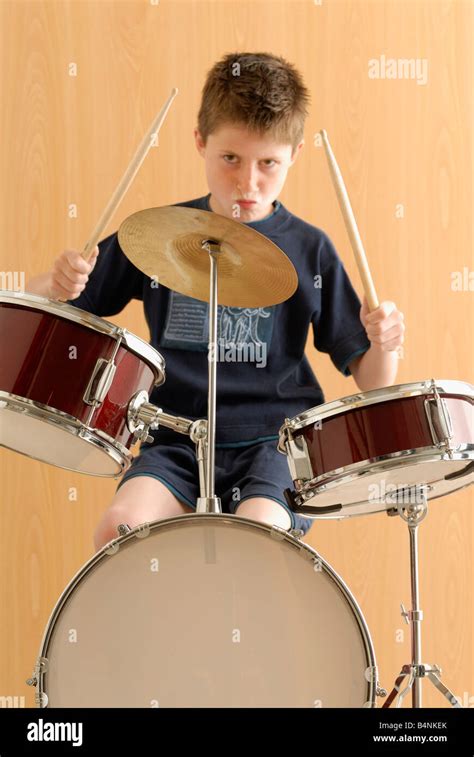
(247,203)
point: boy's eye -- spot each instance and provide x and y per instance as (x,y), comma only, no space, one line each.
(229,159)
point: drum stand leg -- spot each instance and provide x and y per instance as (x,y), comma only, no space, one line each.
(413,514)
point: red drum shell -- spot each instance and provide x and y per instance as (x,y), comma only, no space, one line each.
(48,360)
(373,451)
(380,429)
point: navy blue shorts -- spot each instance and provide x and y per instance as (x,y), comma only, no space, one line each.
(257,470)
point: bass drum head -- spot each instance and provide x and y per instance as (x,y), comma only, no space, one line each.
(46,435)
(207,610)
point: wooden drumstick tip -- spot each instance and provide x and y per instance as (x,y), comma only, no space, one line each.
(174,91)
(323,133)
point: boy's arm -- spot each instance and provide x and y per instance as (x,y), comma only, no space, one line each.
(385,329)
(374,369)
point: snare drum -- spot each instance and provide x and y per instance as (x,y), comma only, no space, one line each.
(206,610)
(66,380)
(364,453)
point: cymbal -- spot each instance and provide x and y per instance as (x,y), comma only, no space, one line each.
(165,243)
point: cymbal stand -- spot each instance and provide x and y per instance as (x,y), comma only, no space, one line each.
(143,415)
(210,503)
(413,514)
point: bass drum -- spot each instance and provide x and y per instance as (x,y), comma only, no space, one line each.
(206,610)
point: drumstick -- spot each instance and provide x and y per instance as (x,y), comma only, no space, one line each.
(351,225)
(127,178)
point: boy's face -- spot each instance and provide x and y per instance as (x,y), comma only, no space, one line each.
(240,165)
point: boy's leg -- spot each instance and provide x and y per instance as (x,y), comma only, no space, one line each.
(252,480)
(264,510)
(141,499)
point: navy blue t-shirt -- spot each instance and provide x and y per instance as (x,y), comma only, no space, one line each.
(263,375)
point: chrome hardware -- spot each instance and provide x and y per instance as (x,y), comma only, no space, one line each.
(442,418)
(41,667)
(411,615)
(298,459)
(415,510)
(285,434)
(371,673)
(143,415)
(41,699)
(297,533)
(102,377)
(404,613)
(111,548)
(277,532)
(142,530)
(198,430)
(136,424)
(177,423)
(99,382)
(352,399)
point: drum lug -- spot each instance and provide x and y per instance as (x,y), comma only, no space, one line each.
(442,419)
(372,675)
(102,377)
(40,668)
(41,699)
(100,381)
(298,459)
(277,532)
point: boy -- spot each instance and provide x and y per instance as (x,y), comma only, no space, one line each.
(250,131)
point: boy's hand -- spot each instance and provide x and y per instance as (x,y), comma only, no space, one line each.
(385,326)
(70,274)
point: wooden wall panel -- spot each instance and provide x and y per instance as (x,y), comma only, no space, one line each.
(67,139)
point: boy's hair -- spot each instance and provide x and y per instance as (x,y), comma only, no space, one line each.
(262,92)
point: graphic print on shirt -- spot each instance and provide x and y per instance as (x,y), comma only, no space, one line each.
(243,334)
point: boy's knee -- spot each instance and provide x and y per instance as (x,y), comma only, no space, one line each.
(107,528)
(139,500)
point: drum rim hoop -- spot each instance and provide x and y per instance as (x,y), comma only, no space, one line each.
(354,471)
(114,449)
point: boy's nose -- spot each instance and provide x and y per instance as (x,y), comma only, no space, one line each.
(247,183)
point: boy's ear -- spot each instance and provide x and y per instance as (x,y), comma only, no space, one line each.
(297,151)
(199,141)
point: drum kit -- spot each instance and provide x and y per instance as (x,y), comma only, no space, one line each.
(212,609)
